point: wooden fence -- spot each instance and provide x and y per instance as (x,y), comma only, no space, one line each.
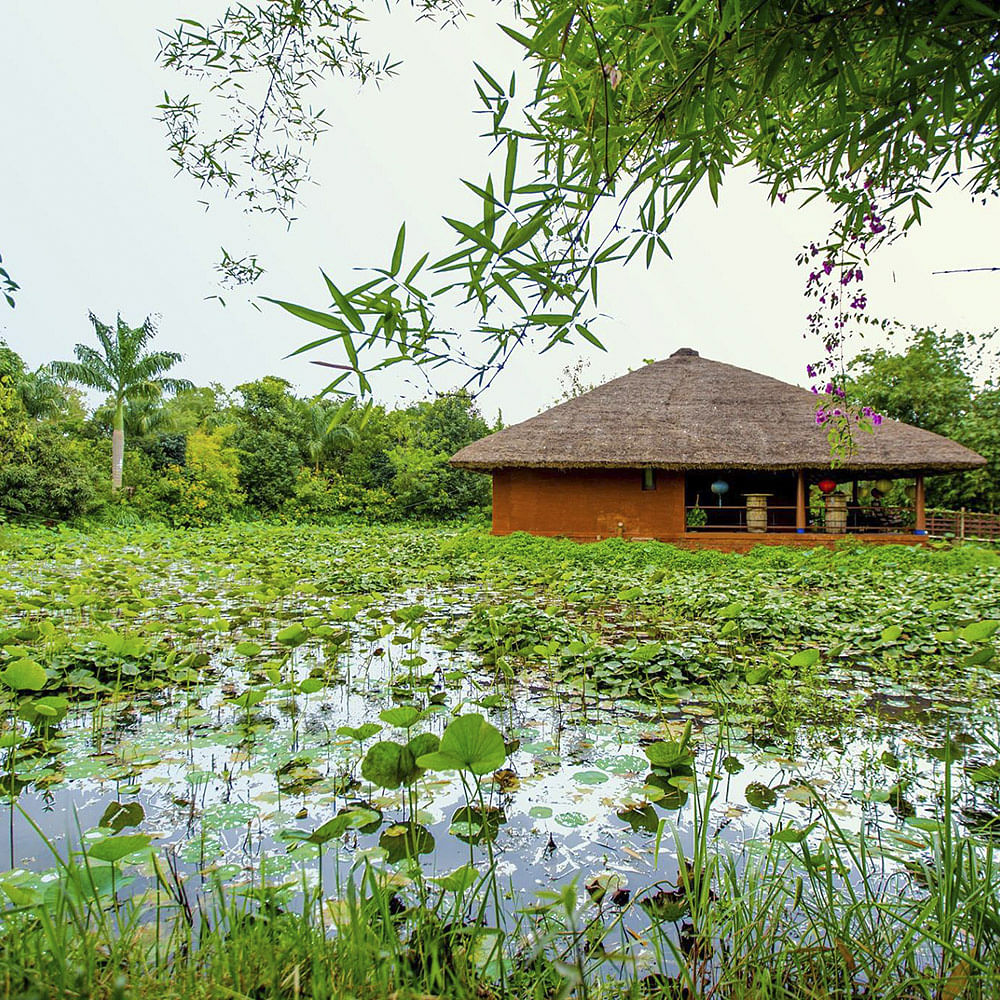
(963,524)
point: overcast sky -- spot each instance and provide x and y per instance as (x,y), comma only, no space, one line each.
(93,218)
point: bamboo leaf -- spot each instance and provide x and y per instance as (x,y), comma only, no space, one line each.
(343,305)
(397,253)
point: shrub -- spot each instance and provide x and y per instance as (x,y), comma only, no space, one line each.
(186,497)
(167,449)
(269,463)
(54,478)
(313,500)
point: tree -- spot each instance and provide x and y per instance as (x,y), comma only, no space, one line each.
(327,429)
(267,442)
(941,382)
(124,369)
(634,106)
(429,433)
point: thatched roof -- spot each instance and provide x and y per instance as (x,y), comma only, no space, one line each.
(691,413)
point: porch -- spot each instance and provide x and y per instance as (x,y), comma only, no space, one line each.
(803,502)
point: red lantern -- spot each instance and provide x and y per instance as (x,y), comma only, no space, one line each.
(827,485)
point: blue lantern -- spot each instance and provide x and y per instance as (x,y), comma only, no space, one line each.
(719,487)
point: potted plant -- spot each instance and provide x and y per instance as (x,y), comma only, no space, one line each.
(696,516)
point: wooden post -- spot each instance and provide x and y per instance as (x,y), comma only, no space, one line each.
(920,524)
(800,503)
(961,523)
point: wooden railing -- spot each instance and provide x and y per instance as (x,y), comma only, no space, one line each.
(963,524)
(860,520)
(781,519)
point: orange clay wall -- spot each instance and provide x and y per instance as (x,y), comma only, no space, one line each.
(587,504)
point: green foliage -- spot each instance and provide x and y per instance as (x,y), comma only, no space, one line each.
(628,109)
(269,455)
(200,656)
(54,477)
(429,434)
(131,374)
(185,497)
(167,449)
(469,743)
(203,458)
(962,404)
(14,431)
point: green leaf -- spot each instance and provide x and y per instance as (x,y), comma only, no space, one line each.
(517,235)
(805,658)
(401,717)
(986,774)
(24,675)
(760,796)
(460,880)
(791,835)
(343,305)
(385,765)
(397,253)
(588,336)
(293,635)
(113,849)
(510,169)
(469,743)
(47,710)
(310,316)
(347,819)
(119,815)
(359,733)
(979,631)
(473,234)
(666,755)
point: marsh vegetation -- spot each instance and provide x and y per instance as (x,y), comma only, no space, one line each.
(340,761)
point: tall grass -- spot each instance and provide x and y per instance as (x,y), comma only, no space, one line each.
(810,913)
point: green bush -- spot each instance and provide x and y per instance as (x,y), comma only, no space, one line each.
(186,497)
(53,478)
(313,499)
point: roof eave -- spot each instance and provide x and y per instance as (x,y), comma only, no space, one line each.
(927,468)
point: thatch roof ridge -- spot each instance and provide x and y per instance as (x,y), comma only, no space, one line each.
(688,412)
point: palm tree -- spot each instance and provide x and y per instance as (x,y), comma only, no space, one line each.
(326,430)
(126,371)
(41,396)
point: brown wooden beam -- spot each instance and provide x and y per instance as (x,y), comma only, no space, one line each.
(800,503)
(920,523)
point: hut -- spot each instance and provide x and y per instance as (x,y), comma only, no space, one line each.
(704,454)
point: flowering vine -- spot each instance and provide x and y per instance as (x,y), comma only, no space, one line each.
(835,285)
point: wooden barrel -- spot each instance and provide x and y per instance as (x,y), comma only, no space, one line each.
(836,513)
(757,512)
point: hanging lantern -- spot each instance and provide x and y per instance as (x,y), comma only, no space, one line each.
(911,492)
(884,485)
(827,485)
(719,487)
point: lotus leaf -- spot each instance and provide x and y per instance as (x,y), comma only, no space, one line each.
(469,743)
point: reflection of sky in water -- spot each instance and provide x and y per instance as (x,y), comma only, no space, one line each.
(210,792)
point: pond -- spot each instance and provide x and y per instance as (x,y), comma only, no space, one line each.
(269,708)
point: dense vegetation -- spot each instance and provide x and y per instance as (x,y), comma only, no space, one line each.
(963,405)
(204,455)
(291,761)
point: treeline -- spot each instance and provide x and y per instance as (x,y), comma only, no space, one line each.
(946,383)
(205,454)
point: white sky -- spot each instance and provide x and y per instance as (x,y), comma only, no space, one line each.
(92,218)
